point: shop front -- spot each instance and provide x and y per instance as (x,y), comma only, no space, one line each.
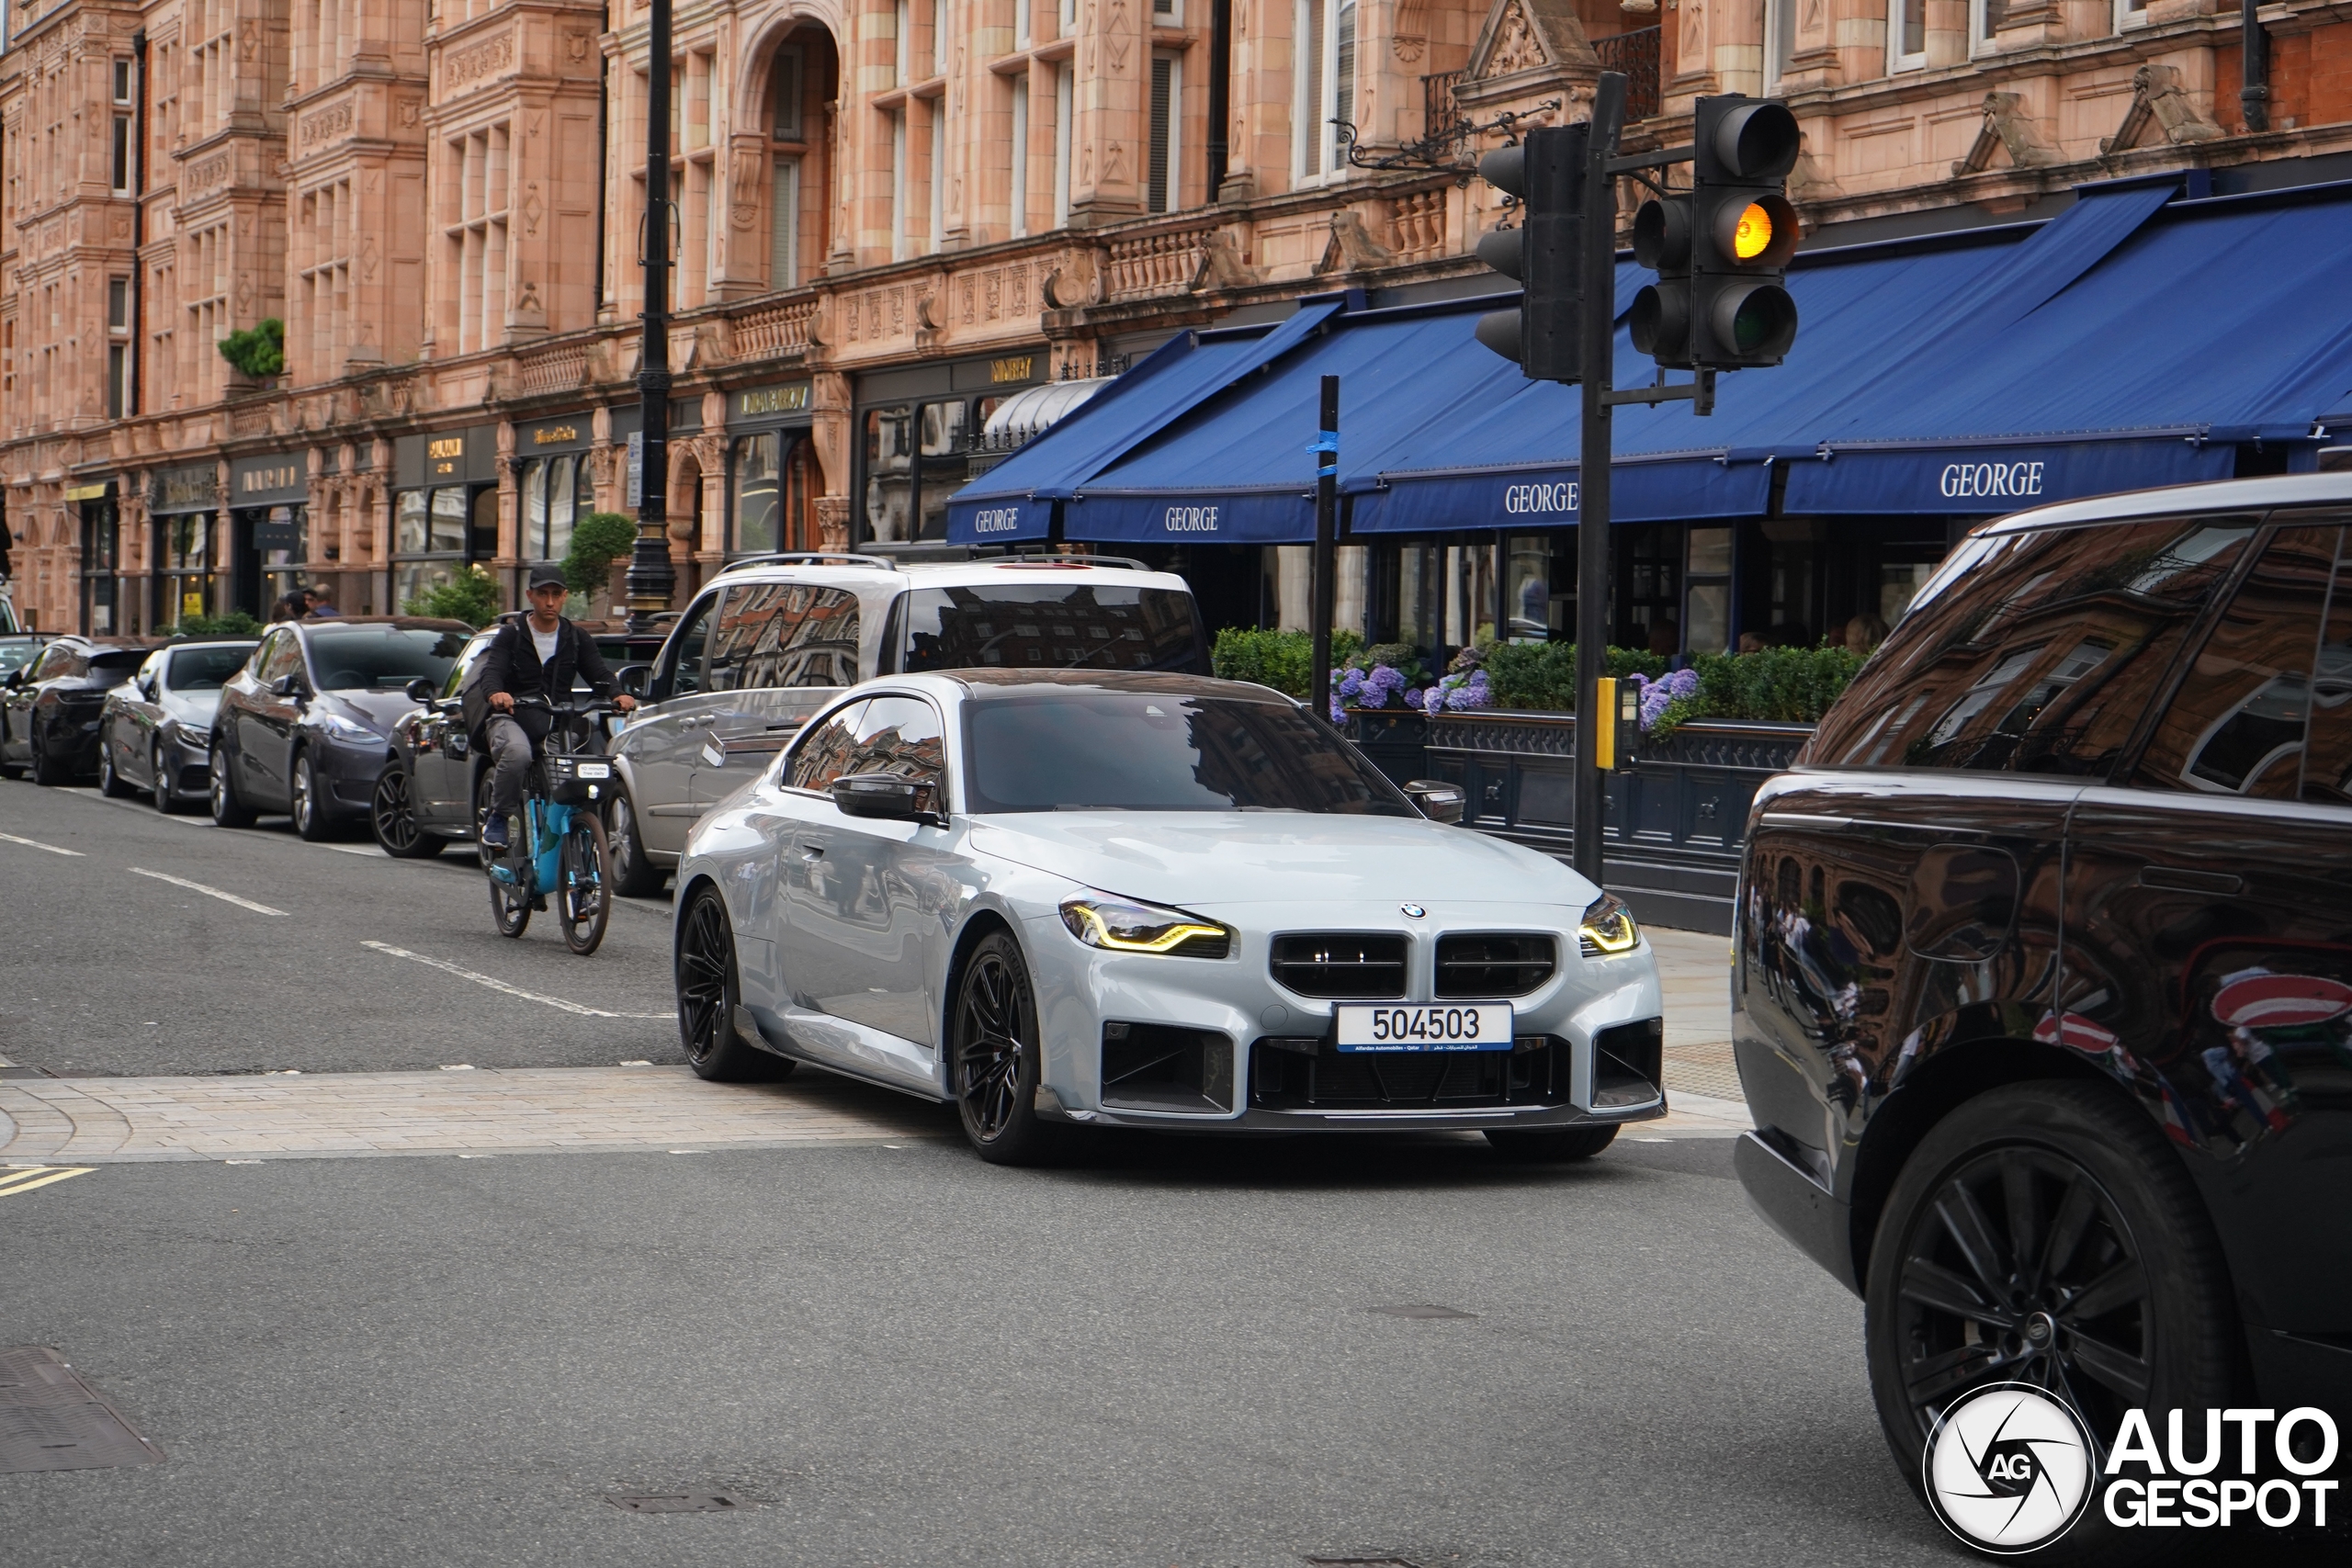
(772,476)
(445,509)
(553,489)
(109,605)
(182,511)
(269,518)
(919,432)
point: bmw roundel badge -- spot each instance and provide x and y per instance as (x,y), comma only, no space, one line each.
(1413,911)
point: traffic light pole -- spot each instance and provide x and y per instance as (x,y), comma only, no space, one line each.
(1600,342)
(650,578)
(1326,526)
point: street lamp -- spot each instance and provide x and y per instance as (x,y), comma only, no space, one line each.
(651,581)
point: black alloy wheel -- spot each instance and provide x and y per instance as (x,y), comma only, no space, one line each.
(111,784)
(2044,1232)
(583,883)
(228,810)
(710,992)
(391,816)
(996,1055)
(167,799)
(634,874)
(47,767)
(1549,1145)
(312,819)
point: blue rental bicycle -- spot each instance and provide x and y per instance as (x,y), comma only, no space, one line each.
(557,850)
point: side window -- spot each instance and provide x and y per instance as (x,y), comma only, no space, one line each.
(2327,761)
(473,654)
(902,736)
(680,673)
(2043,657)
(55,660)
(823,753)
(284,657)
(785,634)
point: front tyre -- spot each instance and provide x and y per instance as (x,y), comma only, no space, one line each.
(997,1056)
(584,883)
(228,810)
(709,990)
(634,873)
(391,818)
(2045,1234)
(159,769)
(1549,1145)
(47,767)
(311,817)
(110,782)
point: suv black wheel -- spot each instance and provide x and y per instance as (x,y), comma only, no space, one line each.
(633,873)
(997,1056)
(709,990)
(1549,1145)
(391,816)
(228,811)
(2045,1234)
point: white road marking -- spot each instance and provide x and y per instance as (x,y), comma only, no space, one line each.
(497,984)
(370,850)
(207,892)
(37,844)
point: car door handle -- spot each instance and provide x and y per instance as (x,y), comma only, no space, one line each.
(2174,879)
(812,852)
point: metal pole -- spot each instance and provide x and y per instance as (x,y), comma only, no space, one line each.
(1326,524)
(1599,341)
(651,581)
(2254,67)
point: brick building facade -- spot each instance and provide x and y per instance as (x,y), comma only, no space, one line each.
(891,215)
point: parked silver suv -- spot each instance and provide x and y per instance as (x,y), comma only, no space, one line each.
(770,640)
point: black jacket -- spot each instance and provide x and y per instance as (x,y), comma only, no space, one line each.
(512,665)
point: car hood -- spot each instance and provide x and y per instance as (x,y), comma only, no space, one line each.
(194,710)
(1200,858)
(377,710)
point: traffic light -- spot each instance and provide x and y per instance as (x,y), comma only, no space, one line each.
(1546,173)
(1659,322)
(1742,232)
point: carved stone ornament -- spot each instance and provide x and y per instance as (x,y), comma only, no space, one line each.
(2009,124)
(1527,46)
(2157,98)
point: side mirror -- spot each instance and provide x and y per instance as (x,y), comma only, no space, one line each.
(1439,801)
(883,796)
(423,690)
(286,686)
(631,678)
(147,688)
(16,679)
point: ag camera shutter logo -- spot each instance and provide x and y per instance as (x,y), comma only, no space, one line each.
(2010,1469)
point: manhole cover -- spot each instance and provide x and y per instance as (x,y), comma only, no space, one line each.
(698,1503)
(50,1419)
(1404,1312)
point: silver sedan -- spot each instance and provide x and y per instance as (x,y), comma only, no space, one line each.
(1159,901)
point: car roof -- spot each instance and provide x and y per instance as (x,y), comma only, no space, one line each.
(399,623)
(245,642)
(858,570)
(2220,495)
(986,685)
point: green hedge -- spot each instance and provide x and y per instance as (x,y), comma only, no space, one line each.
(1543,675)
(233,624)
(1283,660)
(1778,686)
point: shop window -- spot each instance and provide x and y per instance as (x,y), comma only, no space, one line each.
(1706,622)
(889,472)
(183,547)
(758,499)
(556,491)
(1650,587)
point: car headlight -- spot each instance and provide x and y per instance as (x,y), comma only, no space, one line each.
(1121,925)
(1607,928)
(342,728)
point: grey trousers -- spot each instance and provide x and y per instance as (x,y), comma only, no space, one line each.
(510,755)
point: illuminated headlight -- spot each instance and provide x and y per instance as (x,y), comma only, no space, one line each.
(1607,928)
(1121,925)
(196,739)
(342,728)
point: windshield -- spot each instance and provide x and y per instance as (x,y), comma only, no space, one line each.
(1036,626)
(1080,750)
(204,669)
(15,655)
(120,664)
(350,658)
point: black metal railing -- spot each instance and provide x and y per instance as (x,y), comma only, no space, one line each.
(1438,112)
(1635,54)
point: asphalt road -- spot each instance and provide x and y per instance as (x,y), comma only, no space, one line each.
(1167,1354)
(111,970)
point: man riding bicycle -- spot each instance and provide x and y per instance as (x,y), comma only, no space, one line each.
(535,654)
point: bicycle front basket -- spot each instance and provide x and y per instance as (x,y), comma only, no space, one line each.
(579,780)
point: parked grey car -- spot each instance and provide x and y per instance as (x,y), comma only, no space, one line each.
(1143,900)
(773,640)
(155,732)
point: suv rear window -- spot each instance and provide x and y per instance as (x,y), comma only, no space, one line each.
(2041,656)
(1047,626)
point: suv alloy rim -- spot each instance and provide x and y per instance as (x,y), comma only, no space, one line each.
(395,827)
(2020,1268)
(302,806)
(705,955)
(988,1054)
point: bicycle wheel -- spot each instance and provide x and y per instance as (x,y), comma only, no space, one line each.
(510,900)
(584,884)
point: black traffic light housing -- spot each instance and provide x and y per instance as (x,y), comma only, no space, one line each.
(1742,232)
(1659,322)
(1546,173)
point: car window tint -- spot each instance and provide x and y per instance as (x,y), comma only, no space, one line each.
(901,737)
(1031,626)
(202,669)
(2234,725)
(2327,757)
(359,658)
(2042,658)
(785,634)
(281,655)
(680,671)
(823,753)
(470,656)
(116,664)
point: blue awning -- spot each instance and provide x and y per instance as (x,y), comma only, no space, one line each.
(1013,500)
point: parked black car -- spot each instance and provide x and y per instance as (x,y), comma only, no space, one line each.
(434,790)
(2043,980)
(303,726)
(49,708)
(155,732)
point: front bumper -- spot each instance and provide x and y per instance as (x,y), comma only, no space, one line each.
(352,769)
(1257,1119)
(1819,1222)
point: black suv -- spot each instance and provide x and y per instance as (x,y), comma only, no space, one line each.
(2042,981)
(49,708)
